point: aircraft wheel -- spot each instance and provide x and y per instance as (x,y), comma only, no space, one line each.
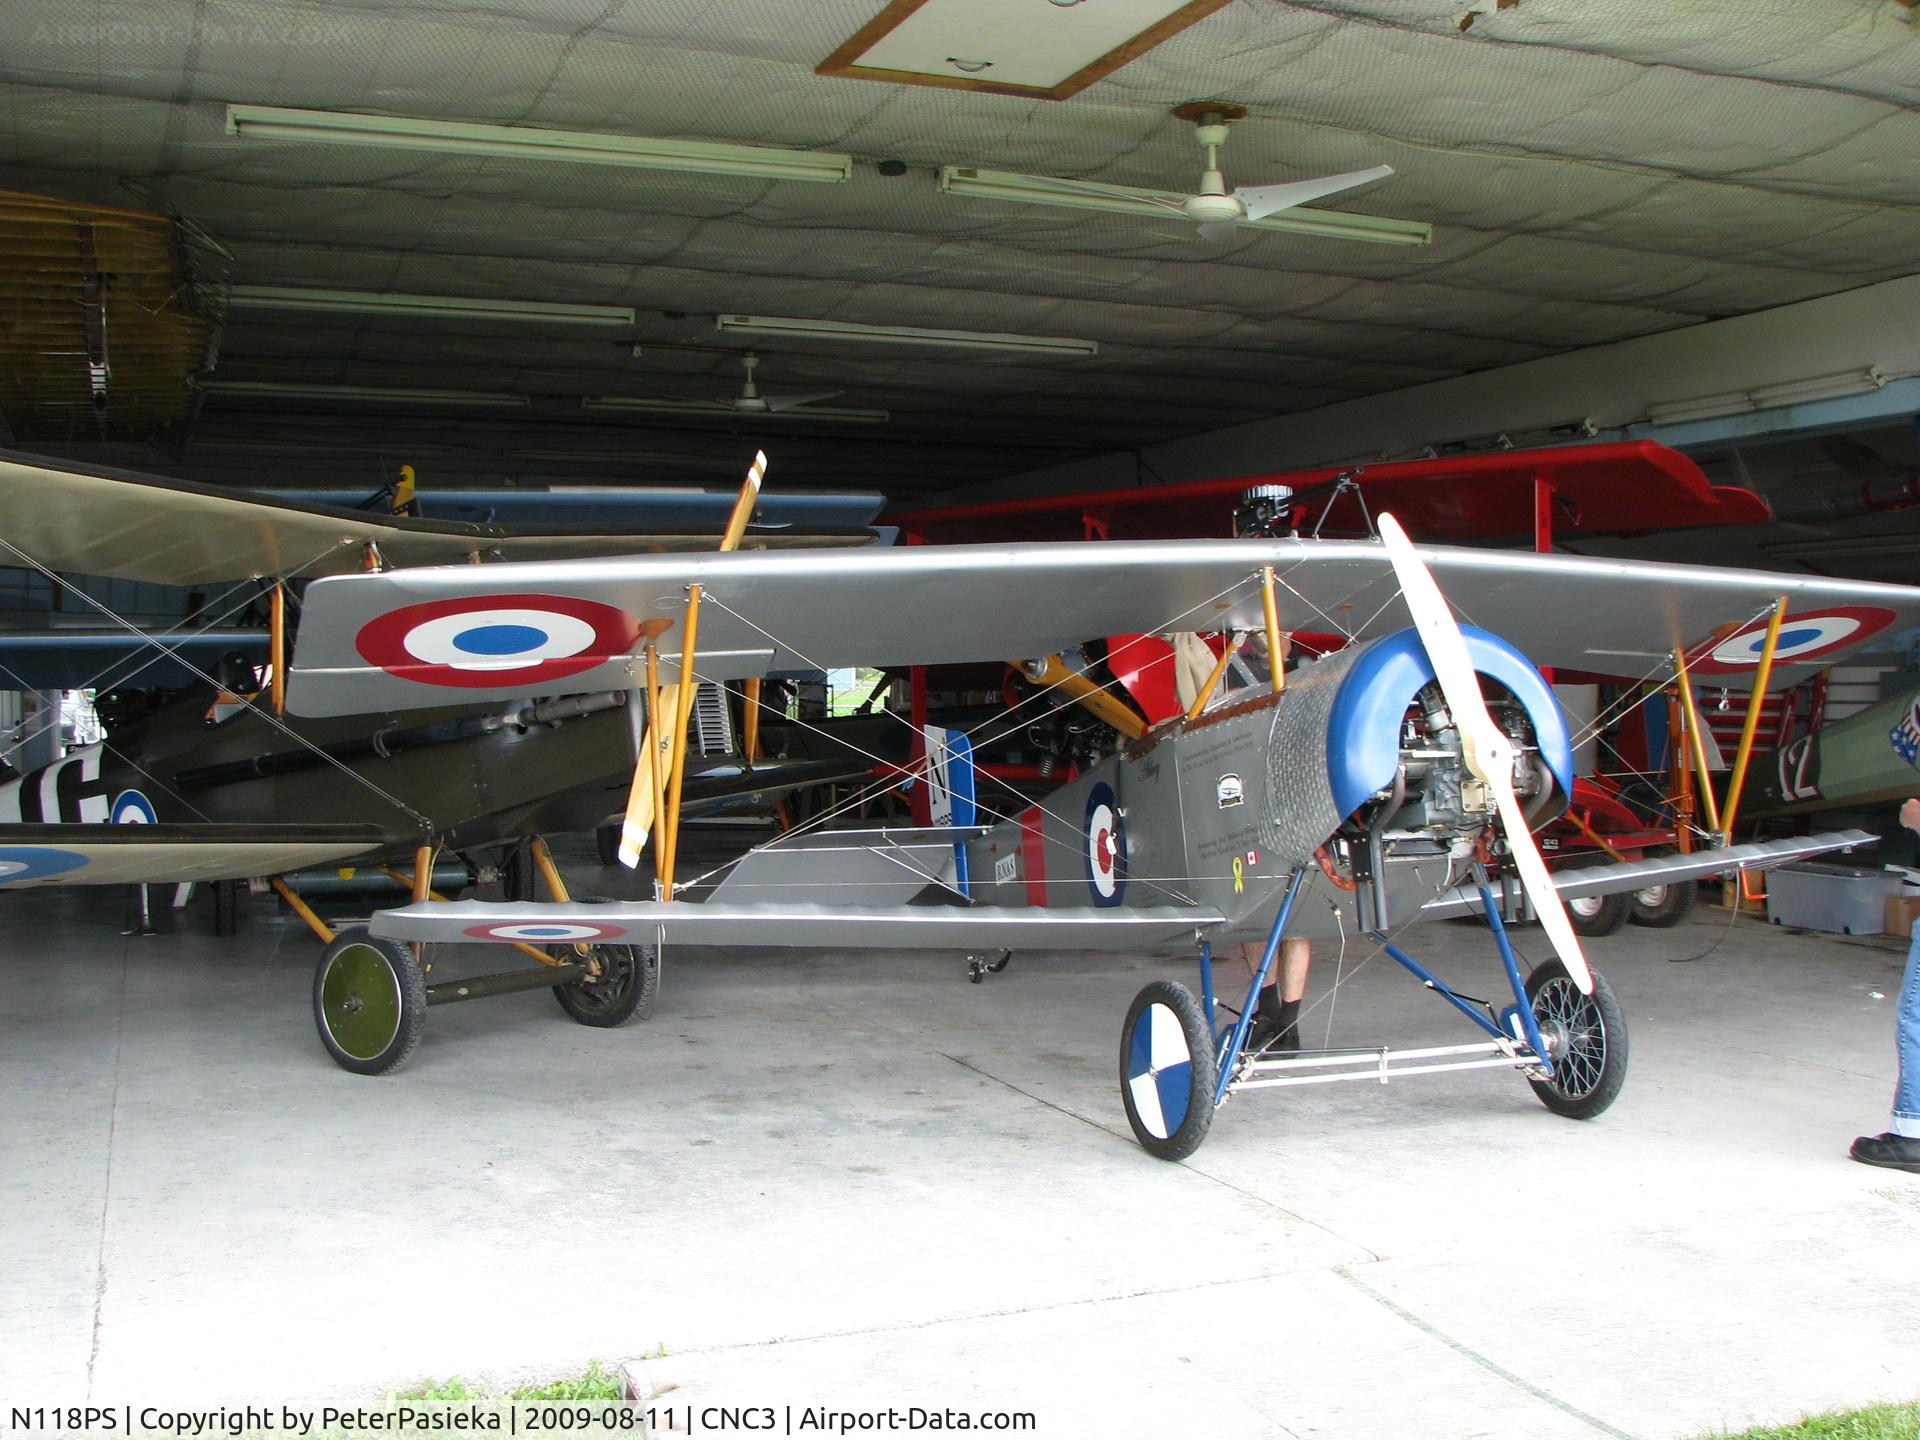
(1167,1070)
(1662,905)
(369,1002)
(606,843)
(517,872)
(629,984)
(1597,915)
(1586,1038)
(226,908)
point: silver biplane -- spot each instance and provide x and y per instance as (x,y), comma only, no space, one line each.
(1396,779)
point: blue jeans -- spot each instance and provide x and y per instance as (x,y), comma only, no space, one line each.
(1906,1091)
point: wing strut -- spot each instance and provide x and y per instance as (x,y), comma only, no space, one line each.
(653,790)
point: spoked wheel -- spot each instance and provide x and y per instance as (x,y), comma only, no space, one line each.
(369,1002)
(1596,915)
(1586,1038)
(1167,1070)
(1663,905)
(628,985)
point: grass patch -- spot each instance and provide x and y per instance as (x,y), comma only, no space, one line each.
(593,1384)
(1876,1422)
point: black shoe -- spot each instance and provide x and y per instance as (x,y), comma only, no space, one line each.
(1269,1035)
(1895,1152)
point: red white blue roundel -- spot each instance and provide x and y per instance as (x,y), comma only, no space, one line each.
(1105,835)
(545,932)
(484,642)
(130,807)
(1803,637)
(21,863)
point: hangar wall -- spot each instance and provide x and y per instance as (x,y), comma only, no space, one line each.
(1875,326)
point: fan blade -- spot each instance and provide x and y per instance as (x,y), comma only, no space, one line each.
(1483,745)
(1218,231)
(1264,200)
(777,403)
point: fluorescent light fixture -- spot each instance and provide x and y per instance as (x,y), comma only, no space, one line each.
(904,335)
(1126,200)
(522,142)
(294,390)
(430,307)
(625,457)
(1767,397)
(725,409)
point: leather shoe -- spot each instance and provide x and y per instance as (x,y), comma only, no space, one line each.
(1895,1152)
(1269,1035)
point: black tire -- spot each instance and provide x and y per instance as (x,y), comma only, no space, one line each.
(1597,915)
(226,908)
(517,872)
(1586,1038)
(369,1002)
(1168,1095)
(628,987)
(1663,905)
(606,844)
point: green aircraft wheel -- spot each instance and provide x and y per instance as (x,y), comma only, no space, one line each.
(1597,915)
(629,984)
(1663,905)
(1586,1038)
(369,1002)
(1167,1070)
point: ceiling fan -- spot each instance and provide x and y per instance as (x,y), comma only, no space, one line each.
(749,403)
(1215,210)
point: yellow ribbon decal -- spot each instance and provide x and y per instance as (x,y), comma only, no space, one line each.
(1239,876)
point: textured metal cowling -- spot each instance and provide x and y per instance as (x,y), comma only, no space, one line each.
(1301,811)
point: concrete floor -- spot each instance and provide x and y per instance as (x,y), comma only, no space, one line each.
(861,1181)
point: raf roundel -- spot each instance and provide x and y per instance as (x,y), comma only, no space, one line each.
(1804,637)
(546,932)
(486,642)
(1105,834)
(130,807)
(23,864)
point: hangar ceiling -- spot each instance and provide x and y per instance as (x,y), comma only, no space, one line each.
(1591,173)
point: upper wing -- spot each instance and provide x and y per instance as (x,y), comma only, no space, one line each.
(132,854)
(139,527)
(1619,486)
(405,639)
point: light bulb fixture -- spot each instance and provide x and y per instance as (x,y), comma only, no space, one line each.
(524,142)
(903,335)
(426,307)
(1129,200)
(355,394)
(969,67)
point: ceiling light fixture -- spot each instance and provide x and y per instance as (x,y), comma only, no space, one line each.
(724,409)
(522,142)
(426,307)
(1129,200)
(969,67)
(1768,397)
(296,390)
(903,335)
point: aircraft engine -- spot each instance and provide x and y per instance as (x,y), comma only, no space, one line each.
(1394,776)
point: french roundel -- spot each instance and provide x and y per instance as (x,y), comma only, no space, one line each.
(1105,834)
(545,932)
(21,863)
(130,807)
(1803,637)
(497,640)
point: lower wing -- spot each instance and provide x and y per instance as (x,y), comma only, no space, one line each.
(134,854)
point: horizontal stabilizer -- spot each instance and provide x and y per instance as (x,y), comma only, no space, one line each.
(136,854)
(821,927)
(1663,870)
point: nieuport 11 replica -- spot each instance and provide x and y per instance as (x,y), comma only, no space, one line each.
(1396,778)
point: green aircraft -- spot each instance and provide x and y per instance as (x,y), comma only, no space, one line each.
(1865,759)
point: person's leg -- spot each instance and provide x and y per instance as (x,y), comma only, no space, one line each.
(1277,1026)
(1899,1147)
